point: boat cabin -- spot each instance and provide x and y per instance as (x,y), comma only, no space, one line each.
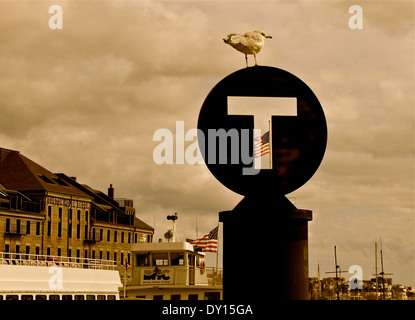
(172,270)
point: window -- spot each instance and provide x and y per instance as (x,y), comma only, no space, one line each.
(48,251)
(108,235)
(115,236)
(108,255)
(212,295)
(38,228)
(101,297)
(7,224)
(17,226)
(12,297)
(61,182)
(59,252)
(37,250)
(60,223)
(27,251)
(115,257)
(70,223)
(49,224)
(40,297)
(90,297)
(78,225)
(101,234)
(54,297)
(129,237)
(135,237)
(111,297)
(27,227)
(160,259)
(143,260)
(79,297)
(175,297)
(177,258)
(193,297)
(122,236)
(158,297)
(46,179)
(67,297)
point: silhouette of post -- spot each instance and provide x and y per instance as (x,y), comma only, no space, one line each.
(266,257)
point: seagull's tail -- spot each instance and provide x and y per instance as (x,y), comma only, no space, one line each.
(226,40)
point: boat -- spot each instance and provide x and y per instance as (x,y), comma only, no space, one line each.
(170,271)
(42,277)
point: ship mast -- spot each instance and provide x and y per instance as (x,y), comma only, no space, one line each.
(382,273)
(337,273)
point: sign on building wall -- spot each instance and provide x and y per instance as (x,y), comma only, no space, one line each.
(68,203)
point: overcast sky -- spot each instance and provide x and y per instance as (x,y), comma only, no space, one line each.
(87,99)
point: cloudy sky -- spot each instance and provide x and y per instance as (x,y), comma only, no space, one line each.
(87,99)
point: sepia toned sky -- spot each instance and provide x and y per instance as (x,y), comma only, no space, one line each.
(87,99)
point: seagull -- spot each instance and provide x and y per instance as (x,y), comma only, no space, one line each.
(248,42)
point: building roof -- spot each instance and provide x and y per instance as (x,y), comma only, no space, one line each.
(103,202)
(139,224)
(18,172)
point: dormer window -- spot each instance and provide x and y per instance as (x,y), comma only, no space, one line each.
(46,179)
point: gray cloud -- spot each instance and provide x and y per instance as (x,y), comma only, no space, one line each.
(87,99)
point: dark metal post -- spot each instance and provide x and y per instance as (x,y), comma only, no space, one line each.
(266,258)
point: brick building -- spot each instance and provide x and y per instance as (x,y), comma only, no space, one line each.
(52,214)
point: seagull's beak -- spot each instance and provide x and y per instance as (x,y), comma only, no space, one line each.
(269,37)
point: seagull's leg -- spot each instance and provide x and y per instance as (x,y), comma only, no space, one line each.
(246,60)
(255,59)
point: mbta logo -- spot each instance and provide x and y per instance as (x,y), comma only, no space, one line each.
(271,118)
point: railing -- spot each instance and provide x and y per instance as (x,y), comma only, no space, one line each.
(215,276)
(24,259)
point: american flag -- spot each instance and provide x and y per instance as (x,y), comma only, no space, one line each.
(262,145)
(208,243)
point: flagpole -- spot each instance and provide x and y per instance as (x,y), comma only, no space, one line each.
(217,251)
(197,236)
(125,275)
(270,149)
(217,258)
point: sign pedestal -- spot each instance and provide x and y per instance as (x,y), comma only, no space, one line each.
(265,259)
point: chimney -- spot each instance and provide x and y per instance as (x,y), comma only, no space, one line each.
(111,192)
(73,178)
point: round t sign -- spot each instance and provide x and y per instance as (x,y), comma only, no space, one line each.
(263,131)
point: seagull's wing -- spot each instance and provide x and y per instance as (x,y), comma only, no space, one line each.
(234,38)
(249,39)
